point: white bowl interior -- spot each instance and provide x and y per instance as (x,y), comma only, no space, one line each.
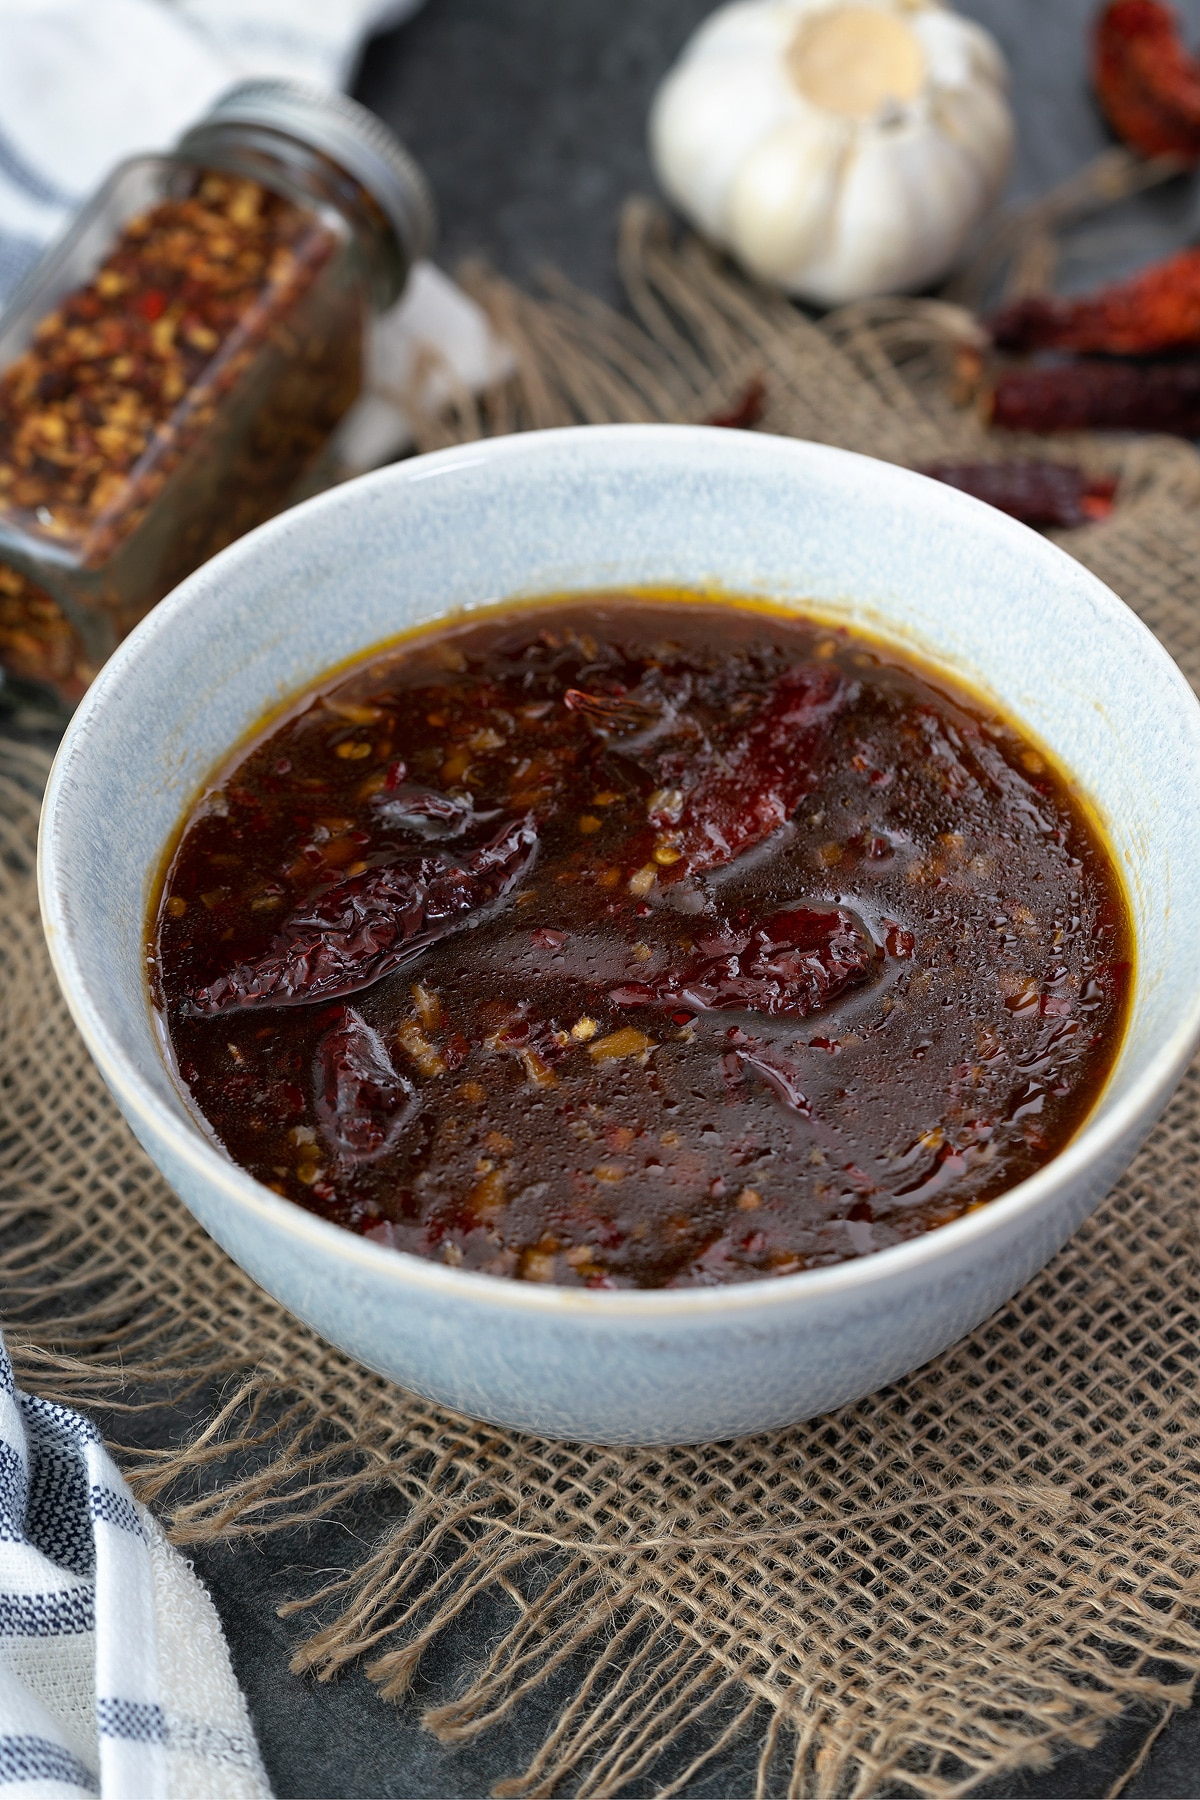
(862,541)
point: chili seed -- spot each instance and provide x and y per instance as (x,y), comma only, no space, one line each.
(626,1042)
(428,1006)
(427,1058)
(536,1265)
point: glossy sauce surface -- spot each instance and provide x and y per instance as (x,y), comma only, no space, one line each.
(624,942)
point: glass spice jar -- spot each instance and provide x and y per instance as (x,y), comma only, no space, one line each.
(172,370)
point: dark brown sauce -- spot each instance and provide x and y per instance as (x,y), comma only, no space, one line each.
(624,942)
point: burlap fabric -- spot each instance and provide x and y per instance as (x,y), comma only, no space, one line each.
(956,1577)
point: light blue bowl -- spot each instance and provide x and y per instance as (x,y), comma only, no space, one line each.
(860,541)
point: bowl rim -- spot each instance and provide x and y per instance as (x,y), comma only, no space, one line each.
(1095,1139)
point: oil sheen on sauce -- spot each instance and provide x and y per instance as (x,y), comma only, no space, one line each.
(625,941)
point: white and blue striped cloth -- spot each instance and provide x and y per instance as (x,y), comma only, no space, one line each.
(114,1675)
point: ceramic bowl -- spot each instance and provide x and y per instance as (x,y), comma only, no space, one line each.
(858,540)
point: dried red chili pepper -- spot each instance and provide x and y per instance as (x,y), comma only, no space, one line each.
(611,712)
(428,813)
(1098,396)
(761,780)
(1037,493)
(362,1102)
(1147,84)
(1157,309)
(947,1165)
(786,966)
(769,1062)
(359,929)
(746,410)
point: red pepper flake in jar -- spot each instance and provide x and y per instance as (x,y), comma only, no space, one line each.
(155,411)
(37,640)
(124,374)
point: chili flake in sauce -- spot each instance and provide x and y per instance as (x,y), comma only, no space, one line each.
(638,943)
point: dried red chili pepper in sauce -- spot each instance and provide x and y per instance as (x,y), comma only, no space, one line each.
(761,779)
(360,929)
(786,966)
(1037,493)
(1100,396)
(1147,84)
(362,1102)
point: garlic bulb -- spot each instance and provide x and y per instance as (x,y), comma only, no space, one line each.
(838,148)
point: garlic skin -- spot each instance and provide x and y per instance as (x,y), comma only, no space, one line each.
(838,148)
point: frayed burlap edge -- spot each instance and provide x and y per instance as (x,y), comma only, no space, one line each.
(955,1578)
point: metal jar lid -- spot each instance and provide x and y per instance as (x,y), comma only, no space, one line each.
(344,131)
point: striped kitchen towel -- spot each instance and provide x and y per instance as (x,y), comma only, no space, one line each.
(114,1674)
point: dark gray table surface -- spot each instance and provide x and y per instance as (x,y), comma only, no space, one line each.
(529,117)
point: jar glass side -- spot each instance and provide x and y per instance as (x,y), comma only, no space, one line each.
(168,376)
